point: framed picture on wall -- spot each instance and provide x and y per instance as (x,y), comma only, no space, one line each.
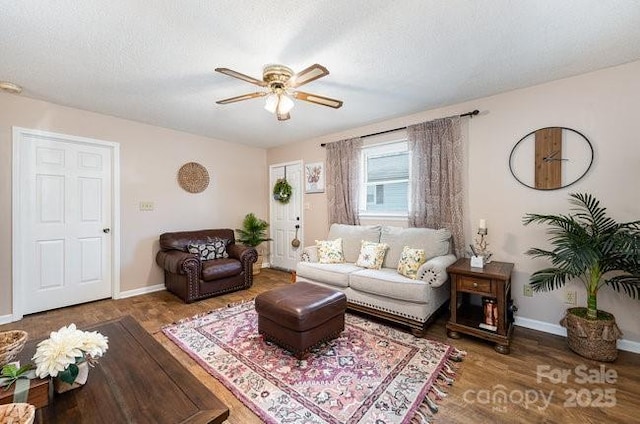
(314,177)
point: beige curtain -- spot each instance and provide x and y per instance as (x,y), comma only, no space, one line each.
(343,180)
(437,195)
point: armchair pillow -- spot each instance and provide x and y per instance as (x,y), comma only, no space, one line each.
(410,262)
(215,249)
(371,254)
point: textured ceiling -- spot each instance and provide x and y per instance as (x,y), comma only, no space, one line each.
(152,60)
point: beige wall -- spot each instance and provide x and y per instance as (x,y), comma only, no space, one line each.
(602,105)
(149,160)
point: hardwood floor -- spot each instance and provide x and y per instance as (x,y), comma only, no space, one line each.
(489,387)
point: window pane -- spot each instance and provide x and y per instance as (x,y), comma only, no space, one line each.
(385,179)
(388,167)
(390,197)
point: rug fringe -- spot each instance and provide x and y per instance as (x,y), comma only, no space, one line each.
(457,355)
(203,314)
(425,412)
(240,302)
(422,416)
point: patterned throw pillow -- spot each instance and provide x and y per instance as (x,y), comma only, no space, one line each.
(220,246)
(371,254)
(410,261)
(330,251)
(214,249)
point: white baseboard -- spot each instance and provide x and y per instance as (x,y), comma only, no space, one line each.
(143,290)
(558,330)
(6,319)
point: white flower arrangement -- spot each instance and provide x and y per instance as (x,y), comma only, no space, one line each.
(59,355)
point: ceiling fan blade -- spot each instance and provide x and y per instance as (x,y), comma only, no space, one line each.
(283,117)
(320,100)
(243,97)
(312,73)
(243,77)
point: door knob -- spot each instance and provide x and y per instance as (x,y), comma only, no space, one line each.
(106,230)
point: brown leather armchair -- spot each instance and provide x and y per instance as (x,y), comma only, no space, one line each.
(189,278)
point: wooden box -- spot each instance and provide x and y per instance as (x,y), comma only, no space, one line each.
(40,392)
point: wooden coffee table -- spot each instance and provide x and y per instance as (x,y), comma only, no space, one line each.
(136,381)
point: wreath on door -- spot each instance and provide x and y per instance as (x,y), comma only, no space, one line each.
(282,191)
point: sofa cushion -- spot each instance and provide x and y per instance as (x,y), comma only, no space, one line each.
(352,236)
(433,242)
(410,262)
(331,274)
(388,283)
(330,251)
(371,254)
(220,268)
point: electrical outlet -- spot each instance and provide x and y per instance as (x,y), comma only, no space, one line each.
(527,290)
(146,206)
(570,297)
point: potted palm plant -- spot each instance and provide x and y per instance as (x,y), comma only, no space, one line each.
(594,248)
(253,233)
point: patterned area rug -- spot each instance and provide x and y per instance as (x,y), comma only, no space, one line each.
(370,374)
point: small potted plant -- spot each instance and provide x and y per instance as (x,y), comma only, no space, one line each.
(253,233)
(592,247)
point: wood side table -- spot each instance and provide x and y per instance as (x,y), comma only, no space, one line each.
(468,287)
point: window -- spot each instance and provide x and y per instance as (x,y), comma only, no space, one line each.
(385,185)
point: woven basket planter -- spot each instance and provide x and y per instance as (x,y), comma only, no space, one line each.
(17,413)
(11,343)
(592,339)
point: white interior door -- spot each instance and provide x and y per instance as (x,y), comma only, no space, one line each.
(285,217)
(65,206)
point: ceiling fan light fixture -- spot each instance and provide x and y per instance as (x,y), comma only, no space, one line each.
(285,104)
(271,105)
(281,84)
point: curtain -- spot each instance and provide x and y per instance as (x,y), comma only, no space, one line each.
(437,195)
(343,180)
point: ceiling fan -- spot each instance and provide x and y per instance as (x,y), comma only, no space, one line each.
(280,83)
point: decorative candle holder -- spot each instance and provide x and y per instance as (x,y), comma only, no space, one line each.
(481,255)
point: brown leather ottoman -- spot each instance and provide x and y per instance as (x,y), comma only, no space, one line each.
(300,316)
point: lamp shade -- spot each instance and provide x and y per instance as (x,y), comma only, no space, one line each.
(272,103)
(285,104)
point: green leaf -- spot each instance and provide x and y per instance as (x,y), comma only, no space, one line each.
(69,375)
(11,374)
(9,370)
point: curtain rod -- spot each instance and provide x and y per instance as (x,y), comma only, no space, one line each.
(469,114)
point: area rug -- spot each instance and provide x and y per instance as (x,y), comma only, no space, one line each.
(372,373)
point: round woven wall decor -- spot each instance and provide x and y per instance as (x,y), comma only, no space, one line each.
(193,177)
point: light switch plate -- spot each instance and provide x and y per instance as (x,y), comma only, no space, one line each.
(146,206)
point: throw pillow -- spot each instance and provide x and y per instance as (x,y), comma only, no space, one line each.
(330,251)
(371,254)
(410,261)
(215,249)
(220,247)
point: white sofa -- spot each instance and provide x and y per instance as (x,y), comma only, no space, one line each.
(385,293)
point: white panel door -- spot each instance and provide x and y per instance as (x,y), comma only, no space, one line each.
(65,202)
(285,217)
